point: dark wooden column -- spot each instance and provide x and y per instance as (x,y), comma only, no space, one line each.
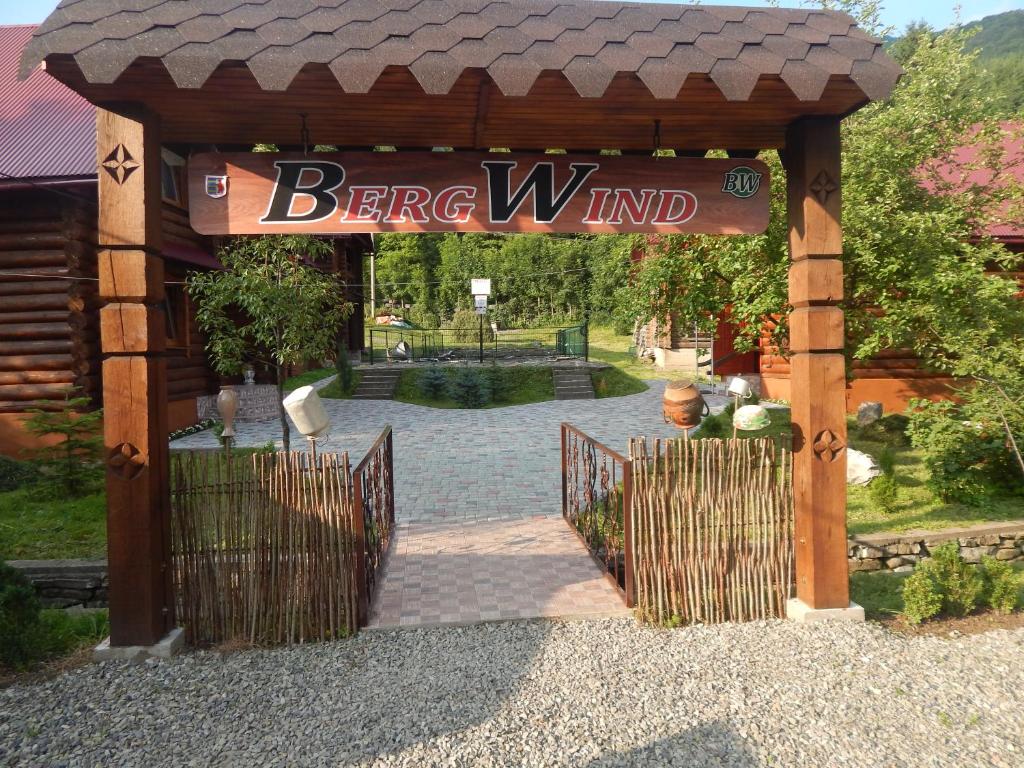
(818,374)
(132,331)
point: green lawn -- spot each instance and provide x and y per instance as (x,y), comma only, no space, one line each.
(918,507)
(309,377)
(615,382)
(525,384)
(334,391)
(606,346)
(36,526)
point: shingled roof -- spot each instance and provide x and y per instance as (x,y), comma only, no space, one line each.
(589,42)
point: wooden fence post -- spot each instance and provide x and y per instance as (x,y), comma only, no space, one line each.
(818,370)
(627,530)
(359,541)
(131,281)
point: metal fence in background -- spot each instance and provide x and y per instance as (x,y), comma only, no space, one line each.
(440,345)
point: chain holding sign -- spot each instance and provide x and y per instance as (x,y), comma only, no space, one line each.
(246,193)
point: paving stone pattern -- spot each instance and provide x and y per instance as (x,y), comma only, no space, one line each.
(442,573)
(465,465)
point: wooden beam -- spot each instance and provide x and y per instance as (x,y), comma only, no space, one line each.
(134,375)
(818,374)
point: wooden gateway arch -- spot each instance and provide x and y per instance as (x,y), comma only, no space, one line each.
(216,76)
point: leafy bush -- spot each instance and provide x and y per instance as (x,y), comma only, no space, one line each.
(944,580)
(72,459)
(16,474)
(19,619)
(921,598)
(470,388)
(433,383)
(965,459)
(719,425)
(885,490)
(465,327)
(1002,585)
(501,381)
(343,365)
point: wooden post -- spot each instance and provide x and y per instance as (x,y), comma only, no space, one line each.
(132,331)
(818,374)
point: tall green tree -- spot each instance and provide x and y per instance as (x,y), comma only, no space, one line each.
(270,304)
(917,268)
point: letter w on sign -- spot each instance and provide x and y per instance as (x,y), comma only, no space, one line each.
(329,193)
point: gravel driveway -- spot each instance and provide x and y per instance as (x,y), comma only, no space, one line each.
(599,693)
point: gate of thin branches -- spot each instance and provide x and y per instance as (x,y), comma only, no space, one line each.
(689,530)
(272,548)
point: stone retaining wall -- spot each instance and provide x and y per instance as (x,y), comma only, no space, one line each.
(67,583)
(900,552)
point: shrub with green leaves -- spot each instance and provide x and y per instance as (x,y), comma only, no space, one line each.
(343,365)
(966,460)
(885,489)
(1002,585)
(433,383)
(465,327)
(72,460)
(470,388)
(16,474)
(945,580)
(19,619)
(500,381)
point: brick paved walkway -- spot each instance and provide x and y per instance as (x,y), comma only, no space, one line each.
(478,502)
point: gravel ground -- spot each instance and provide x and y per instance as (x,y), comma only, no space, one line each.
(601,693)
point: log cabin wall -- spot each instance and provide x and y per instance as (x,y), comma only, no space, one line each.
(49,326)
(49,321)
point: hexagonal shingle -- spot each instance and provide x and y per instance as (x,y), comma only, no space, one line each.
(588,41)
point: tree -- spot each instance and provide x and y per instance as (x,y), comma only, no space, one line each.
(270,304)
(917,273)
(72,460)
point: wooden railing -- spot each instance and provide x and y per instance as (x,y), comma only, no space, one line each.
(596,502)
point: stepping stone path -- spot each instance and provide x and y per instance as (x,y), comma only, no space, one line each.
(377,384)
(573,384)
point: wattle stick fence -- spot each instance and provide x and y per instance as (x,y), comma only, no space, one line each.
(689,530)
(278,548)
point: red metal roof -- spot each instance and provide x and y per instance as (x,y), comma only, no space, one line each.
(963,169)
(46,129)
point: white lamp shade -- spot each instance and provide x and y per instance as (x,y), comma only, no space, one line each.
(307,412)
(739,387)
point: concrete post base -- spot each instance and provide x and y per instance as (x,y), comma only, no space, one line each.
(797,610)
(169,646)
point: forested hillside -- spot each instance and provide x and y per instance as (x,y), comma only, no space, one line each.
(999,40)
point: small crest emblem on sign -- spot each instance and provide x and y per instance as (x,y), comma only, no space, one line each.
(216,186)
(742,182)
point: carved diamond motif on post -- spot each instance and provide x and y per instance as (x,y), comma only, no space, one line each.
(120,164)
(823,186)
(126,461)
(827,446)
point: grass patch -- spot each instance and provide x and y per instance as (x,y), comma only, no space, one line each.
(56,639)
(612,348)
(615,382)
(916,506)
(334,390)
(36,524)
(307,378)
(522,385)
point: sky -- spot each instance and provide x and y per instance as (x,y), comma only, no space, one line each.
(896,13)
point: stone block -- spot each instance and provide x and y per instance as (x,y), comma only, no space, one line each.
(865,551)
(903,569)
(974,554)
(868,413)
(991,539)
(903,548)
(864,565)
(169,646)
(895,562)
(798,611)
(1007,554)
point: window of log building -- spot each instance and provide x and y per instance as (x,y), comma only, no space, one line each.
(176,316)
(172,179)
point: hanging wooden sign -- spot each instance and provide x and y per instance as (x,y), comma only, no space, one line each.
(326,193)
